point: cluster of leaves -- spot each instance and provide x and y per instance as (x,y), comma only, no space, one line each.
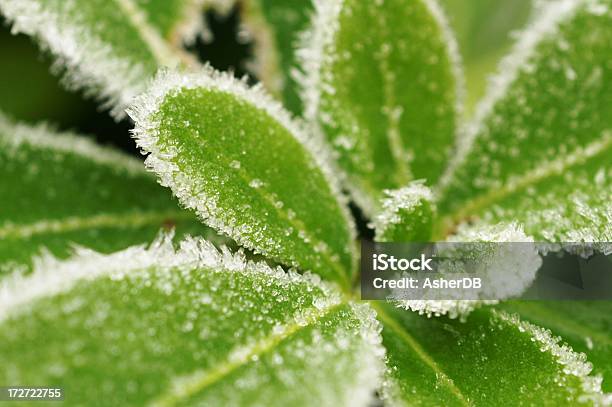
(186,321)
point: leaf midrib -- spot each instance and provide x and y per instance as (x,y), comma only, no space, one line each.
(389,322)
(548,169)
(200,381)
(100,220)
(403,174)
(298,225)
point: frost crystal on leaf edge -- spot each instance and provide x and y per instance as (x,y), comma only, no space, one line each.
(574,363)
(147,128)
(404,198)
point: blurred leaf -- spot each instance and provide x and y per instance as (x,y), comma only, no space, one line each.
(585,325)
(43,98)
(483,29)
(234,156)
(59,190)
(173,19)
(385,97)
(195,327)
(538,152)
(493,357)
(111,49)
(276,25)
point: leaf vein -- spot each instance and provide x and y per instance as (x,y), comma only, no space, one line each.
(72,223)
(548,169)
(198,381)
(420,352)
(296,223)
(393,115)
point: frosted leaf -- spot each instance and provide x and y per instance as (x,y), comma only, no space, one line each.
(138,316)
(538,150)
(427,359)
(386,98)
(59,190)
(283,182)
(506,270)
(574,366)
(406,215)
(110,49)
(584,325)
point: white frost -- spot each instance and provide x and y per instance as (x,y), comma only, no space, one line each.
(52,276)
(400,200)
(147,129)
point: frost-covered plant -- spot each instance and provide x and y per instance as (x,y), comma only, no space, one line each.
(86,305)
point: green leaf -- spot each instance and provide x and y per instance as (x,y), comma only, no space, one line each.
(233,155)
(381,83)
(60,190)
(109,48)
(407,215)
(275,26)
(539,150)
(585,325)
(492,358)
(193,327)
